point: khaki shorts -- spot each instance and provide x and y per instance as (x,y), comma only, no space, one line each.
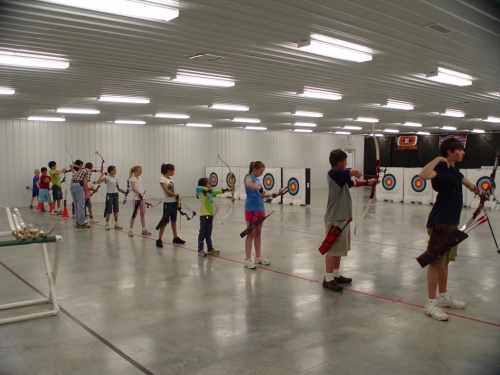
(449,256)
(343,244)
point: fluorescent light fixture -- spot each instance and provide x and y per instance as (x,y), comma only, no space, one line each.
(44,118)
(307,114)
(302,130)
(449,77)
(496,93)
(7,91)
(31,61)
(202,80)
(452,113)
(394,104)
(336,48)
(319,94)
(365,119)
(493,119)
(247,120)
(171,115)
(349,127)
(414,124)
(345,133)
(477,131)
(198,125)
(448,128)
(82,111)
(123,99)
(309,124)
(423,133)
(390,131)
(377,135)
(255,128)
(130,122)
(123,7)
(229,107)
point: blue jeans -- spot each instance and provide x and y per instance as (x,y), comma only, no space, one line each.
(78,196)
(206,226)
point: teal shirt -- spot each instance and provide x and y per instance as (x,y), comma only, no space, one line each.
(207,200)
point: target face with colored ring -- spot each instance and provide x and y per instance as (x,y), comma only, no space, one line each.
(230,179)
(417,184)
(293,186)
(214,179)
(483,184)
(268,181)
(389,182)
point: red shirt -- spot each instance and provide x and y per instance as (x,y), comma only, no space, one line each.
(44,181)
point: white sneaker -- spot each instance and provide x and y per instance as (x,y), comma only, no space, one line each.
(146,232)
(434,311)
(107,227)
(448,301)
(94,221)
(249,264)
(131,233)
(118,226)
(262,260)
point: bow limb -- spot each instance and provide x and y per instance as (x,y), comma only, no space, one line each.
(377,175)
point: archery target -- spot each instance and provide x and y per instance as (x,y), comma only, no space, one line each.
(293,186)
(230,179)
(389,182)
(417,184)
(268,181)
(483,184)
(214,179)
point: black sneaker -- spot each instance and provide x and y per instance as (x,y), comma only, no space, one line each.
(31,206)
(159,243)
(43,210)
(177,240)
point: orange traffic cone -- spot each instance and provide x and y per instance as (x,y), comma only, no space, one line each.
(40,206)
(65,212)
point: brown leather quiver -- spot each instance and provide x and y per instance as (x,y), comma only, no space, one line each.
(440,242)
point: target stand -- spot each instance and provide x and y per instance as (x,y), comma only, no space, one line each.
(391,185)
(298,182)
(18,226)
(416,190)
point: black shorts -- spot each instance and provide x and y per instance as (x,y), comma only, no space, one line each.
(171,210)
(56,193)
(112,204)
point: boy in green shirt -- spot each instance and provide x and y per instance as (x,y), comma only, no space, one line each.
(56,186)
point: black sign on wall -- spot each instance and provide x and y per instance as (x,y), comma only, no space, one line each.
(480,151)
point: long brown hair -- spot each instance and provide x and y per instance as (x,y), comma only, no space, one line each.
(255,165)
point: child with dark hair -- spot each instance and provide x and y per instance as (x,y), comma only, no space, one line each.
(205,193)
(35,188)
(56,186)
(338,212)
(170,203)
(138,191)
(444,217)
(112,202)
(78,188)
(88,195)
(44,194)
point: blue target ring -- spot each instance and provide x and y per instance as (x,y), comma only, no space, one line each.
(268,181)
(293,186)
(389,182)
(214,179)
(230,179)
(483,184)
(417,184)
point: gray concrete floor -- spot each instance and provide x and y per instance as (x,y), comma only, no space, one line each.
(130,308)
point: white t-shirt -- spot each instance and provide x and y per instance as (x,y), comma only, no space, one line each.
(170,187)
(138,186)
(111,183)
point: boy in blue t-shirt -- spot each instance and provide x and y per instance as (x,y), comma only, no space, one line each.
(35,187)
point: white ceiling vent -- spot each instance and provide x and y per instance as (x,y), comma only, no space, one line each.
(205,57)
(437,28)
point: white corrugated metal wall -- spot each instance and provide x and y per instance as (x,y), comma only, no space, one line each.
(26,145)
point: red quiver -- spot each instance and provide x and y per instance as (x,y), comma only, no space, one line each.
(440,242)
(330,239)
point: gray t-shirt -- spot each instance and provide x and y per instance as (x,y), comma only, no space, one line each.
(339,206)
(111,183)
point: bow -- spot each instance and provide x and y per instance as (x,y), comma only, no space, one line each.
(179,207)
(126,192)
(377,173)
(102,164)
(231,180)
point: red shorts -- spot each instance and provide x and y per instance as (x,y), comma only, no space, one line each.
(256,215)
